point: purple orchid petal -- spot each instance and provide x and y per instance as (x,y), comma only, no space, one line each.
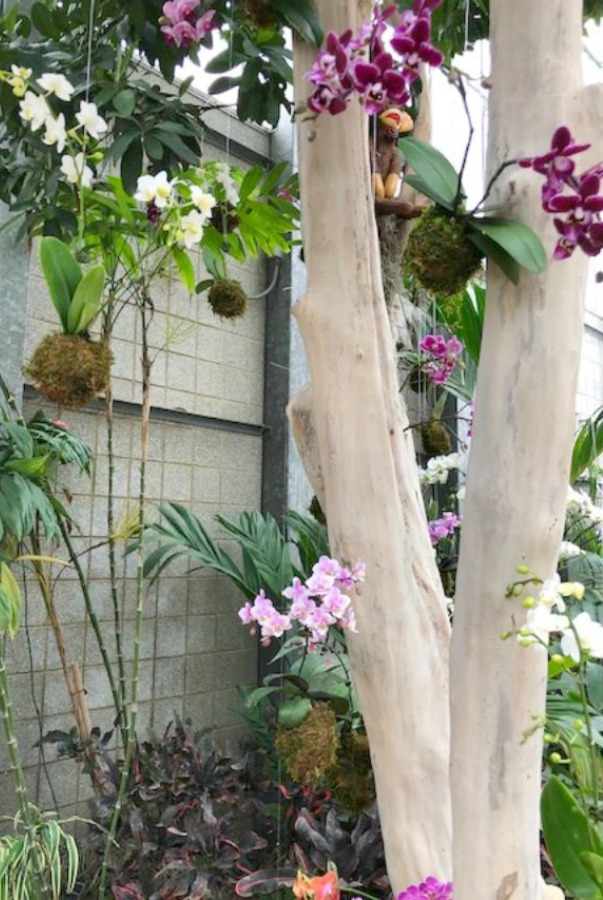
(594,204)
(589,185)
(563,203)
(384,61)
(365,73)
(563,250)
(402,44)
(561,139)
(430,55)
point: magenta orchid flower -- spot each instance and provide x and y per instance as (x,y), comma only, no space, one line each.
(582,227)
(379,84)
(413,45)
(432,889)
(556,164)
(445,355)
(182,24)
(442,528)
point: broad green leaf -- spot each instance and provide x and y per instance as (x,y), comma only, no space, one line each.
(588,445)
(31,468)
(225,83)
(86,302)
(250,182)
(419,184)
(62,273)
(516,239)
(292,713)
(186,270)
(594,864)
(10,593)
(569,834)
(432,167)
(124,102)
(177,146)
(131,165)
(497,254)
(301,15)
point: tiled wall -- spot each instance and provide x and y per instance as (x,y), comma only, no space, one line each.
(194,651)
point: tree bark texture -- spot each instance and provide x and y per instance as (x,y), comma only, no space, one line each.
(366,462)
(519,466)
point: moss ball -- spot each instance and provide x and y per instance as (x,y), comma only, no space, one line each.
(435,437)
(315,510)
(310,750)
(351,781)
(439,254)
(227,299)
(69,369)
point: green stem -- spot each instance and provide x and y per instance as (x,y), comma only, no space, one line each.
(111,538)
(119,709)
(131,745)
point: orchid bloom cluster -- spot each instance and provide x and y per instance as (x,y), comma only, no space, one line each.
(444,527)
(35,110)
(186,203)
(342,70)
(582,226)
(439,467)
(184,24)
(580,636)
(441,356)
(431,889)
(317,604)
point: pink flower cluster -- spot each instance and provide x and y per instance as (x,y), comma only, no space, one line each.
(582,226)
(443,527)
(432,889)
(316,605)
(183,24)
(443,355)
(383,80)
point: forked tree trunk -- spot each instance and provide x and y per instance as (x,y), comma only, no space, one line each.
(354,443)
(518,469)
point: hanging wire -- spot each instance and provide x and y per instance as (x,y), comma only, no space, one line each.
(467,20)
(91,19)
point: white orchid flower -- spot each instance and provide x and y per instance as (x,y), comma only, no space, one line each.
(56,132)
(56,84)
(76,171)
(89,119)
(35,110)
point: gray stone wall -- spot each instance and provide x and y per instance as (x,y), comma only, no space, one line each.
(206,446)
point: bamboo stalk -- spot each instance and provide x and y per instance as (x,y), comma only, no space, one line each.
(119,707)
(133,717)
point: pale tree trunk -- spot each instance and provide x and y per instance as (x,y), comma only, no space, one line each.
(354,442)
(518,469)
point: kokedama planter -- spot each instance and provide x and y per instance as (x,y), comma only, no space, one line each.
(440,255)
(69,369)
(227,299)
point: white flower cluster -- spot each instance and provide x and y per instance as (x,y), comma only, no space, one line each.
(223,177)
(580,636)
(568,550)
(35,110)
(160,191)
(580,504)
(439,467)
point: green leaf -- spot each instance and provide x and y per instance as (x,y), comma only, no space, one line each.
(30,468)
(420,185)
(516,239)
(250,182)
(177,146)
(43,21)
(432,167)
(131,165)
(124,102)
(204,285)
(495,252)
(594,864)
(121,144)
(588,445)
(62,273)
(86,302)
(569,834)
(292,713)
(225,83)
(301,15)
(186,270)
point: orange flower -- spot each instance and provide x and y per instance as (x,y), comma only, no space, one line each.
(322,887)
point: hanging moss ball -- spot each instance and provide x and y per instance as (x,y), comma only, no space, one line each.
(351,781)
(310,750)
(261,13)
(69,369)
(439,254)
(227,299)
(436,440)
(315,510)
